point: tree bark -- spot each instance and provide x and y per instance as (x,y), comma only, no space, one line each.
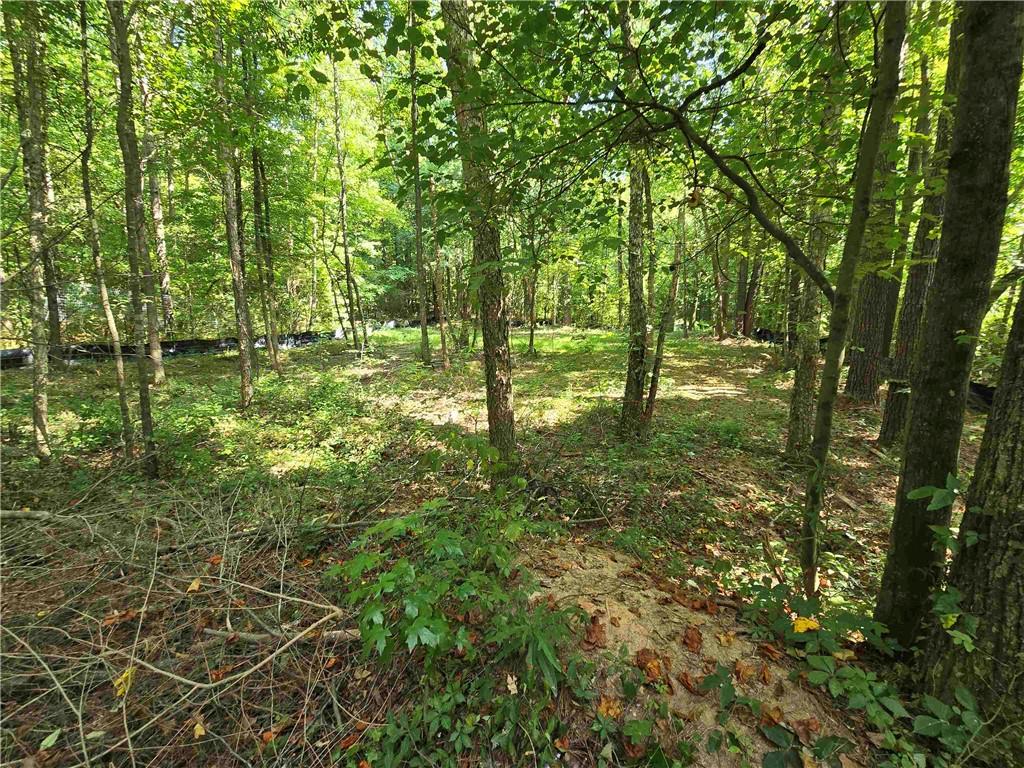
(925,248)
(93,235)
(421,273)
(264,255)
(989,573)
(30,99)
(976,195)
(883,98)
(440,269)
(631,419)
(229,194)
(668,316)
(135,223)
(472,128)
(618,255)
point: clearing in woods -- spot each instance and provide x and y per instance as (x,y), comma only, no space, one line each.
(279,591)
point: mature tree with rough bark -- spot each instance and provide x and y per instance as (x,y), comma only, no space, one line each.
(976,194)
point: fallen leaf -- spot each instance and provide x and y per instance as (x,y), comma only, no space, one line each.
(634,751)
(562,744)
(364,764)
(194,586)
(844,654)
(744,671)
(215,559)
(807,759)
(306,562)
(124,682)
(802,624)
(198,730)
(771,715)
(614,620)
(690,683)
(597,635)
(692,639)
(349,740)
(770,652)
(331,662)
(648,661)
(725,639)
(806,729)
(361,726)
(117,617)
(765,674)
(609,707)
(845,761)
(510,683)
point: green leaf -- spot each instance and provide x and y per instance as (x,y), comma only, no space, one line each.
(966,698)
(928,726)
(778,735)
(50,740)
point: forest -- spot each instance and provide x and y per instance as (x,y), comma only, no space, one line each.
(542,383)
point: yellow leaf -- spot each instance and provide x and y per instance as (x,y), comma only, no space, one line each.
(844,654)
(198,731)
(124,682)
(801,625)
(194,586)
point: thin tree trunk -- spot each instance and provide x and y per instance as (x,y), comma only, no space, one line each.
(340,156)
(264,258)
(976,195)
(93,234)
(618,255)
(925,248)
(883,98)
(439,271)
(651,246)
(30,98)
(421,273)
(138,247)
(229,194)
(668,316)
(486,245)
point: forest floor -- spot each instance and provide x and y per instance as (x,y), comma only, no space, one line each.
(335,576)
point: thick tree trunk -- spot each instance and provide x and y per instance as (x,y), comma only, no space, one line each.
(925,248)
(229,195)
(875,306)
(883,98)
(138,247)
(969,248)
(472,127)
(421,272)
(30,99)
(668,316)
(93,235)
(988,573)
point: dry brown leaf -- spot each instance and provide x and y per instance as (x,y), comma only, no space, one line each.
(305,563)
(692,639)
(562,744)
(770,651)
(725,639)
(614,620)
(744,671)
(690,683)
(634,751)
(331,662)
(194,586)
(349,740)
(765,674)
(215,559)
(848,762)
(364,764)
(361,726)
(117,617)
(597,635)
(649,662)
(609,707)
(806,729)
(771,715)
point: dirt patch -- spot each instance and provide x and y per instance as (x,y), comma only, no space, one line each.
(674,640)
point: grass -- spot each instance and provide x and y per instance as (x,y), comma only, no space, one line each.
(364,483)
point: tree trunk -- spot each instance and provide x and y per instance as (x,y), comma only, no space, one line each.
(976,194)
(472,128)
(93,234)
(793,295)
(439,272)
(883,98)
(618,254)
(668,316)
(340,155)
(30,98)
(925,248)
(650,245)
(135,223)
(988,572)
(229,194)
(739,311)
(753,285)
(875,306)
(264,255)
(631,420)
(421,273)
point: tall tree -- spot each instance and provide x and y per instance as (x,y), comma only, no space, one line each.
(228,159)
(472,125)
(440,269)
(976,194)
(883,97)
(93,235)
(135,223)
(922,255)
(668,313)
(417,183)
(26,51)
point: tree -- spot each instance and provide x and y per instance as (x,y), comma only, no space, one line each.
(135,222)
(883,98)
(93,234)
(480,194)
(976,195)
(417,184)
(30,100)
(668,313)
